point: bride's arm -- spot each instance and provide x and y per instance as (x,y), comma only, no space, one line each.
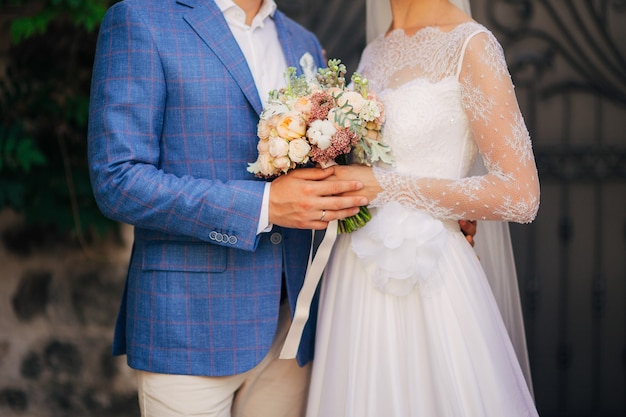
(510,189)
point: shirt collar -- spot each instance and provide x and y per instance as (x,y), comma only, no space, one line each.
(234,13)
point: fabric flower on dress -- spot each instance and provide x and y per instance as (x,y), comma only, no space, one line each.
(403,259)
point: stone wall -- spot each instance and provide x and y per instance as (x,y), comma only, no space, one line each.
(58,304)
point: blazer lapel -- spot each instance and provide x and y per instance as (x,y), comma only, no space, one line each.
(208,22)
(286,40)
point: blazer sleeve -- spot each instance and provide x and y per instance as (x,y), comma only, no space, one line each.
(127,108)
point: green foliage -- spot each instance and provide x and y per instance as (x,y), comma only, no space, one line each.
(18,152)
(85,14)
(44,101)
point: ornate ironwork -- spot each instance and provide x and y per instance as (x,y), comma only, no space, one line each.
(581,32)
(572,51)
(598,164)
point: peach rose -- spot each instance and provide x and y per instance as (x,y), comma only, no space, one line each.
(291,126)
(353,99)
(263,129)
(303,105)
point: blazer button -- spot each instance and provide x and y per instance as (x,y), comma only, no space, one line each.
(276,238)
(232,240)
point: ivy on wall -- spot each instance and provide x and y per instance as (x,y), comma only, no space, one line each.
(45,75)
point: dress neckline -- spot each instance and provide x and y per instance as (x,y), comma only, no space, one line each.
(426,29)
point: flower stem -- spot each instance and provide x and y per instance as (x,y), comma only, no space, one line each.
(352,223)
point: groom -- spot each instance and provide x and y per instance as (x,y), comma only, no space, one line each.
(176,95)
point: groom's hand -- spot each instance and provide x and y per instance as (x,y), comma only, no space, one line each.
(301,199)
(468,227)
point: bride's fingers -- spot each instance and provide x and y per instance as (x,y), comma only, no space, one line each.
(311,174)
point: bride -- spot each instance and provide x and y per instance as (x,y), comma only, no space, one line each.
(492,243)
(408,324)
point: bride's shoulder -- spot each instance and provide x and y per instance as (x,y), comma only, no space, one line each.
(479,45)
(468,27)
(374,46)
(474,33)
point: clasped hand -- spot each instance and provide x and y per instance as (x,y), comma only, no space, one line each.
(307,198)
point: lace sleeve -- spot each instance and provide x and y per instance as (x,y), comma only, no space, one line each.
(510,189)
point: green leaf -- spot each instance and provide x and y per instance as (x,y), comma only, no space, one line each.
(25,27)
(28,154)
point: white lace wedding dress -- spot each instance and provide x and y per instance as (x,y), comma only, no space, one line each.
(408,326)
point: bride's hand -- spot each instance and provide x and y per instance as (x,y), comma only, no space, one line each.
(361,173)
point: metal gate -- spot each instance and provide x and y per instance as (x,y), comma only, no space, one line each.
(568,61)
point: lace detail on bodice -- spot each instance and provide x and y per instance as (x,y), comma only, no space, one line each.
(448,95)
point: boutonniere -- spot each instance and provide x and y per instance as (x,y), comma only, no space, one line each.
(307,64)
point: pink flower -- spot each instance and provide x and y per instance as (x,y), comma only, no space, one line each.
(321,103)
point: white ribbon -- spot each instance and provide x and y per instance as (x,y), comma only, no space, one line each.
(311,280)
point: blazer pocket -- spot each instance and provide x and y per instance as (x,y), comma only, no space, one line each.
(184,257)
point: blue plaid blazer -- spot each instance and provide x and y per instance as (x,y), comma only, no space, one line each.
(172,127)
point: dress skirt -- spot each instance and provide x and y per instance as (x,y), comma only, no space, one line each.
(429,345)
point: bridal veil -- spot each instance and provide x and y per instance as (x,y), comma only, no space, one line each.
(493,240)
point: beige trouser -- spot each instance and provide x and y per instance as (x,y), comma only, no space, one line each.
(274,388)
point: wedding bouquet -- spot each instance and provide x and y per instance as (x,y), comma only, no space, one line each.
(318,119)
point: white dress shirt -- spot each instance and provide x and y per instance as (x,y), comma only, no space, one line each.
(266,60)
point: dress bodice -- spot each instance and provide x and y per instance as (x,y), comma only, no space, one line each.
(448,95)
(428,130)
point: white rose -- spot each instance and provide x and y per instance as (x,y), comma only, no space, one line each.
(278,147)
(282,163)
(274,108)
(263,165)
(263,146)
(299,151)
